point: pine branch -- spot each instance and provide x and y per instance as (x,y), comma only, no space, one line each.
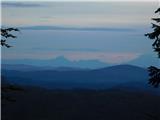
(154,74)
(5,34)
(156,19)
(158,10)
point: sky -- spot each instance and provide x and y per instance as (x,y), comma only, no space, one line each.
(111,32)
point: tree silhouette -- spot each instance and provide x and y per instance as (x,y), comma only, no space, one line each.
(7,88)
(5,34)
(154,72)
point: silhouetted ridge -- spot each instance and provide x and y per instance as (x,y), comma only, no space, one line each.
(121,67)
(92,79)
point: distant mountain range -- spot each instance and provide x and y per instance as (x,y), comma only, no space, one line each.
(76,78)
(23,67)
(142,61)
(145,60)
(59,61)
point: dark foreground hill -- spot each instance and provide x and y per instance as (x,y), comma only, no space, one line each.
(40,104)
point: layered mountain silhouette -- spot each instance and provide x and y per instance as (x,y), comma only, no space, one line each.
(59,61)
(145,60)
(71,78)
(23,67)
(117,92)
(142,61)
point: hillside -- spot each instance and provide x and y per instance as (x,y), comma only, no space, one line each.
(112,93)
(40,104)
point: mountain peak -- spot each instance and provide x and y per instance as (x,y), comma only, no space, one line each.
(61,58)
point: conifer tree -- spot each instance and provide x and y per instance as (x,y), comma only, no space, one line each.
(5,88)
(154,72)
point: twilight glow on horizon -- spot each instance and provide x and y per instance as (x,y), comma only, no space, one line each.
(111,32)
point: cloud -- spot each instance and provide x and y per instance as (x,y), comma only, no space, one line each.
(20,4)
(112,58)
(78,28)
(68,49)
(78,14)
(80,49)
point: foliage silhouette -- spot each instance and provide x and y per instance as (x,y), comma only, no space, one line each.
(5,34)
(154,72)
(7,89)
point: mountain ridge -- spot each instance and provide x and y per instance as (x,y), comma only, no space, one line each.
(59,61)
(96,79)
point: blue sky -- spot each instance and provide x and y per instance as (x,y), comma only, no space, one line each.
(111,32)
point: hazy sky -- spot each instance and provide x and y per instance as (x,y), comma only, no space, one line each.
(111,32)
(106,14)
